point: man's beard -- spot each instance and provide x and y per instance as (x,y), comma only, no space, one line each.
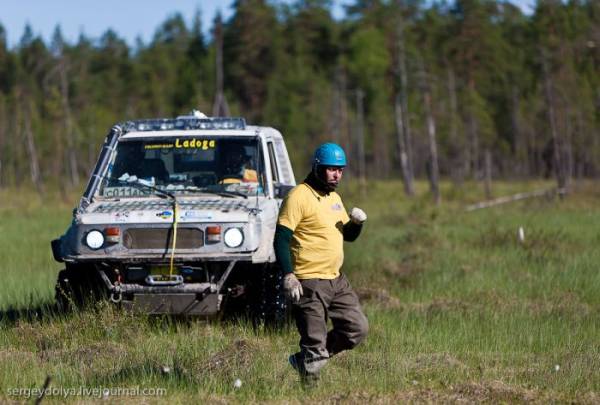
(321,176)
(333,184)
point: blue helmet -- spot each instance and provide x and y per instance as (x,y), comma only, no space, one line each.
(329,154)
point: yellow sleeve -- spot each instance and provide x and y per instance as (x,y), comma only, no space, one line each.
(345,217)
(292,210)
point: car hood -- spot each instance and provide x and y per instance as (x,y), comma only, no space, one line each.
(157,211)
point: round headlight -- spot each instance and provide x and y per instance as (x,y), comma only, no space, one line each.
(233,237)
(94,239)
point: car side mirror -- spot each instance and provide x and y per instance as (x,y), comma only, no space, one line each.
(281,190)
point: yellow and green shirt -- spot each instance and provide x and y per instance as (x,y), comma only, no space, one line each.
(317,220)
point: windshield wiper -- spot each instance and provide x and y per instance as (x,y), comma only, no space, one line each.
(140,184)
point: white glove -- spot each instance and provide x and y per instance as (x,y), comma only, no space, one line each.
(292,287)
(357,216)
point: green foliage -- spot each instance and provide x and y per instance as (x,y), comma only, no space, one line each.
(369,59)
(293,66)
(250,48)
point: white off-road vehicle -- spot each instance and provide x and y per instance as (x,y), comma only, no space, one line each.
(178,217)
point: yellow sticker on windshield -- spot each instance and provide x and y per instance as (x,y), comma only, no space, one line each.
(159,146)
(203,144)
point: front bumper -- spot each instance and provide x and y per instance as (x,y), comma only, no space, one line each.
(183,299)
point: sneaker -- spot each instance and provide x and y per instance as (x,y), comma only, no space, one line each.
(308,380)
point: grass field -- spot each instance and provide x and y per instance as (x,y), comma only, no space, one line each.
(459,310)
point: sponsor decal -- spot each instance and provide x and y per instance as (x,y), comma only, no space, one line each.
(197,215)
(159,146)
(164,214)
(336,207)
(192,143)
(203,144)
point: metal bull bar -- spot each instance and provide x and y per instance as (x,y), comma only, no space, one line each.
(117,290)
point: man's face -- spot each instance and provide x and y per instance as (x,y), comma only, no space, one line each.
(333,175)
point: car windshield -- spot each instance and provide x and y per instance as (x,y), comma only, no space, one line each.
(228,166)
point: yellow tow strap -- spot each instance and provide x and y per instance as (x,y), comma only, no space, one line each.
(174,237)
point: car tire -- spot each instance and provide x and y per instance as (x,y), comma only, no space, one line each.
(77,287)
(269,306)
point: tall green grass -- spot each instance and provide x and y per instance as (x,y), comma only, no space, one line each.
(28,223)
(459,310)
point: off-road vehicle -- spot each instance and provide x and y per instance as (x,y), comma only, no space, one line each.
(178,217)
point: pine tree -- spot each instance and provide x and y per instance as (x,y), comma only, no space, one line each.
(250,47)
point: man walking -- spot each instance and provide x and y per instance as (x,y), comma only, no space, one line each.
(309,238)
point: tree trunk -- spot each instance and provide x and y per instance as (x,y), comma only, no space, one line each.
(582,154)
(360,140)
(71,149)
(520,164)
(559,164)
(220,106)
(456,169)
(17,151)
(401,144)
(342,127)
(473,134)
(34,165)
(567,148)
(488,174)
(339,84)
(434,172)
(404,141)
(334,126)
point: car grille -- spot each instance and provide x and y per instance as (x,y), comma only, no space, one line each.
(161,238)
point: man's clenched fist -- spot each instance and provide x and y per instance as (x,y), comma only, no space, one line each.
(357,216)
(292,287)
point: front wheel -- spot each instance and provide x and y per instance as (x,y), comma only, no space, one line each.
(77,287)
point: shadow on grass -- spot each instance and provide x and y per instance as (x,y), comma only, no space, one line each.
(50,311)
(46,311)
(43,312)
(106,312)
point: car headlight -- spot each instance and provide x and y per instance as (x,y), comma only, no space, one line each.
(233,237)
(94,239)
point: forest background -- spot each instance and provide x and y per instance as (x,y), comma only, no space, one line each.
(468,90)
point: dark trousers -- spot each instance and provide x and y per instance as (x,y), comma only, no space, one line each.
(323,300)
